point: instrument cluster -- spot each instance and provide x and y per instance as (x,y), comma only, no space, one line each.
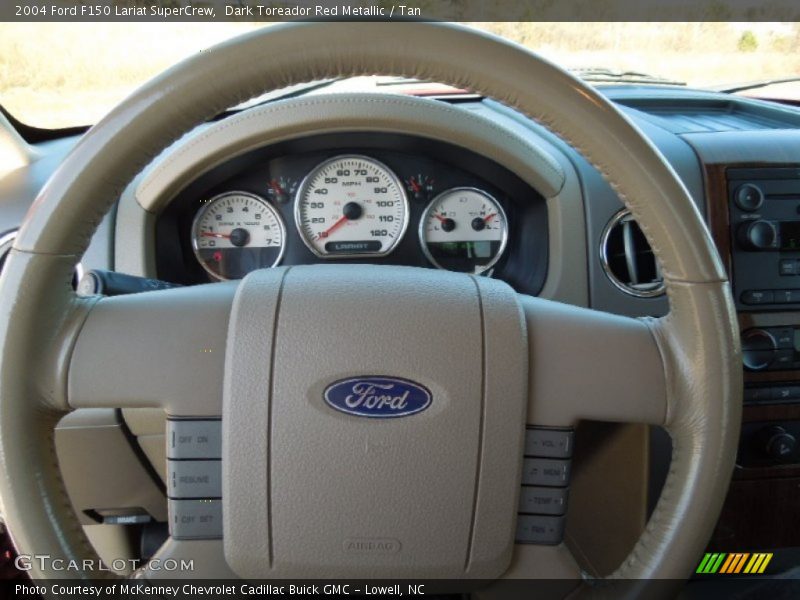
(354,198)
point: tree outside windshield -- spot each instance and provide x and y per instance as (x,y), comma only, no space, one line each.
(55,75)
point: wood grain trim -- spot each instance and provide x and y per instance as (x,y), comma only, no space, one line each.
(717,211)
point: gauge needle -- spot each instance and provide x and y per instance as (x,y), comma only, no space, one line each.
(277,187)
(414,185)
(440,217)
(488,218)
(330,229)
(214,235)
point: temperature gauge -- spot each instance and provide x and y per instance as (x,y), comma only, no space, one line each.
(464,229)
(420,187)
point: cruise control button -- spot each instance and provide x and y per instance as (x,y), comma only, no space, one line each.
(543,500)
(548,443)
(545,471)
(757,297)
(194,478)
(538,529)
(194,439)
(195,519)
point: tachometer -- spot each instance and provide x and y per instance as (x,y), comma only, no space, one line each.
(464,229)
(237,232)
(351,206)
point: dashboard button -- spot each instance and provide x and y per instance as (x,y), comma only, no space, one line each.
(548,443)
(758,235)
(543,500)
(784,392)
(194,439)
(784,359)
(776,442)
(788,266)
(545,471)
(784,337)
(538,529)
(785,296)
(759,394)
(758,349)
(195,519)
(757,297)
(194,478)
(749,197)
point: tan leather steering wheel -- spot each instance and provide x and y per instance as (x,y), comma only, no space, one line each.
(554,363)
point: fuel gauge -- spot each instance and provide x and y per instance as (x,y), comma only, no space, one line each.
(464,229)
(281,189)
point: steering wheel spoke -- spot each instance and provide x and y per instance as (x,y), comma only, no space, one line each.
(586,364)
(154,349)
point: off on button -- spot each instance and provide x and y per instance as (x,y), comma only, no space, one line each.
(194,439)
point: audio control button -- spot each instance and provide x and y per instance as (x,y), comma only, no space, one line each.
(757,297)
(784,337)
(749,197)
(788,266)
(776,443)
(786,296)
(783,359)
(758,349)
(758,235)
(757,394)
(783,393)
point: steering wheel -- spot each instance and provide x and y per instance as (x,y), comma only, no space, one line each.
(300,479)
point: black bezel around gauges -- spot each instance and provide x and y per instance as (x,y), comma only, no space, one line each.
(423,168)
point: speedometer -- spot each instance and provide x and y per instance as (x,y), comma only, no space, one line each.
(351,206)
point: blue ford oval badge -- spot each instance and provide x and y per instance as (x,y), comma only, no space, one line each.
(377,397)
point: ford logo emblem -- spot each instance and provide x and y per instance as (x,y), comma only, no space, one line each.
(377,397)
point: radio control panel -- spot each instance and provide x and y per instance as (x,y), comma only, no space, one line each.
(764,209)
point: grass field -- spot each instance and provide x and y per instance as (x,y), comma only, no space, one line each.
(60,74)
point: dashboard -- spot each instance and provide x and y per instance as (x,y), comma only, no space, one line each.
(356,197)
(738,159)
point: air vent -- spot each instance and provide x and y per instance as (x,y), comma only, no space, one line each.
(627,258)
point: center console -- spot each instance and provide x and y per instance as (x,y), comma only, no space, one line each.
(764,228)
(754,216)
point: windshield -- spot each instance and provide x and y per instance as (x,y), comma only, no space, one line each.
(55,75)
